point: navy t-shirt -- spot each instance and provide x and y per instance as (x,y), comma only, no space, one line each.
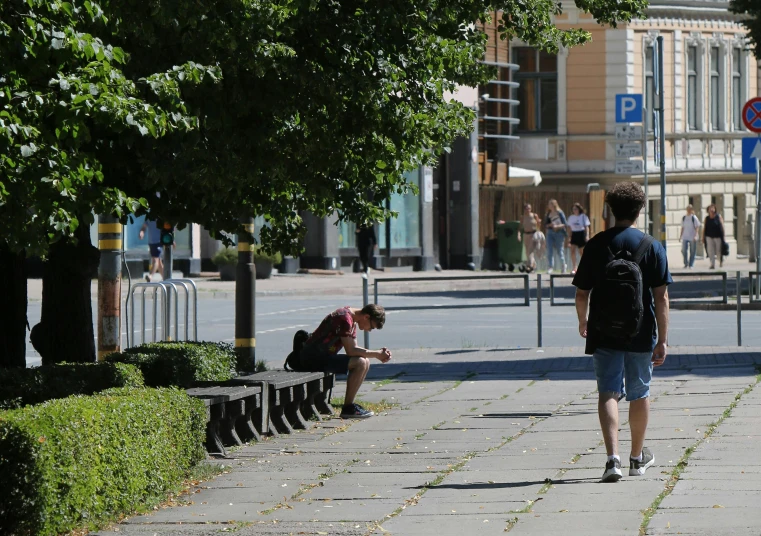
(655,273)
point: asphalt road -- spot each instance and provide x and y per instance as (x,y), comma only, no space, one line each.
(450,320)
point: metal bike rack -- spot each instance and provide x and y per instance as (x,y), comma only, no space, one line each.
(164,289)
(184,283)
(553,302)
(158,289)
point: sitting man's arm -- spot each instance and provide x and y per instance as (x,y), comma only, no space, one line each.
(352,350)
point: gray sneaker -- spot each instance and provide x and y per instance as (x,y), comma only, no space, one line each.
(612,471)
(637,468)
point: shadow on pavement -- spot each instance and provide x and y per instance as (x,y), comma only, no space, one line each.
(505,485)
(442,367)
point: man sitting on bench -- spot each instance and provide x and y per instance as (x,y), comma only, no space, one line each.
(319,352)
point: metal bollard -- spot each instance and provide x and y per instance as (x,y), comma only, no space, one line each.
(539,310)
(364,304)
(739,312)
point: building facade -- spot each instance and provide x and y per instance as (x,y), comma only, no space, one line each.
(709,74)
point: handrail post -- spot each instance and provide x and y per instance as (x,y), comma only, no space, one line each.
(724,284)
(365,300)
(527,289)
(539,310)
(739,312)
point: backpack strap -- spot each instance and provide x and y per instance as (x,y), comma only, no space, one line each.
(644,245)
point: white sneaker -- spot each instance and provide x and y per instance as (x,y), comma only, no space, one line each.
(565,268)
(549,271)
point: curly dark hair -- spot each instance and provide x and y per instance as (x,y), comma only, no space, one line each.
(625,199)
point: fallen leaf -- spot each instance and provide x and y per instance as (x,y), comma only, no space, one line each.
(717,506)
(563,511)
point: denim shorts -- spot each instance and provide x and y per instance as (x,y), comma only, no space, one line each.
(612,367)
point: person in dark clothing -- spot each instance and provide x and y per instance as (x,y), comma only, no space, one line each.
(624,368)
(713,235)
(366,242)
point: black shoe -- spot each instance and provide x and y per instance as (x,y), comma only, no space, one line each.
(355,411)
(637,468)
(612,471)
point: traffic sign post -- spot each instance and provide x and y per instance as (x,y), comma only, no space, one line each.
(751,116)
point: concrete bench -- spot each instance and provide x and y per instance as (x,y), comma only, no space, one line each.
(234,414)
(294,397)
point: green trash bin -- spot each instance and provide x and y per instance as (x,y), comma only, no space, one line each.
(509,249)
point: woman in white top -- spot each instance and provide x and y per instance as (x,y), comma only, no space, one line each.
(579,225)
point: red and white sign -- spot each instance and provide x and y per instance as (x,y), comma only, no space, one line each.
(752,115)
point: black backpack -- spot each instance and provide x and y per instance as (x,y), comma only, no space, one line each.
(293,361)
(619,308)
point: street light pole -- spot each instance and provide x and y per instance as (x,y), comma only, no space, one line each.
(662,140)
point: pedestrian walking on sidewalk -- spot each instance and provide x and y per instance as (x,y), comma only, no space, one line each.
(579,224)
(154,244)
(319,352)
(625,271)
(713,236)
(557,235)
(689,236)
(366,243)
(531,223)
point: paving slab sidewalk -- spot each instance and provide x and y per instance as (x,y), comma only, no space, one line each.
(501,449)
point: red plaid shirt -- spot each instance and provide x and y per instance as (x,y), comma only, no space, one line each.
(338,324)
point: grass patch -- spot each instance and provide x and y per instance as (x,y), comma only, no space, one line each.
(438,425)
(546,487)
(388,380)
(510,524)
(532,382)
(519,390)
(673,478)
(526,509)
(503,397)
(375,407)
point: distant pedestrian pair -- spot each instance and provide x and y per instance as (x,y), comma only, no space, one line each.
(622,307)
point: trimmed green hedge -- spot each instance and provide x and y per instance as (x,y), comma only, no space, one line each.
(76,461)
(180,364)
(21,387)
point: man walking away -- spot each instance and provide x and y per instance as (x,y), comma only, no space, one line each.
(339,330)
(626,274)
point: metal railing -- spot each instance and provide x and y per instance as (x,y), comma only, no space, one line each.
(724,298)
(526,290)
(162,292)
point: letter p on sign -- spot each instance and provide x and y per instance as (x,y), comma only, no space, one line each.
(629,108)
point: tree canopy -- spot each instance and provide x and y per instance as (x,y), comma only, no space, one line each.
(238,107)
(751,9)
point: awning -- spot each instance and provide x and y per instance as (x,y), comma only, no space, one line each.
(520,177)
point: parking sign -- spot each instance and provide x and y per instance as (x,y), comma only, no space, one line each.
(629,108)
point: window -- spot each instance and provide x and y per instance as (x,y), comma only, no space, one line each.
(692,87)
(715,89)
(538,91)
(649,84)
(738,87)
(405,229)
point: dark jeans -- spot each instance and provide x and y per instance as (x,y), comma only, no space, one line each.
(365,254)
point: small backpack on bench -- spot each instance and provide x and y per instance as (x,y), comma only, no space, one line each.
(293,361)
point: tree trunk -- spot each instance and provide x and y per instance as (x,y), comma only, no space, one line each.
(65,331)
(13,322)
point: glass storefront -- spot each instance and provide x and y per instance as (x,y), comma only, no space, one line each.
(405,228)
(347,234)
(134,244)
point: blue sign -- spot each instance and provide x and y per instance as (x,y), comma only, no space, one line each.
(628,108)
(751,154)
